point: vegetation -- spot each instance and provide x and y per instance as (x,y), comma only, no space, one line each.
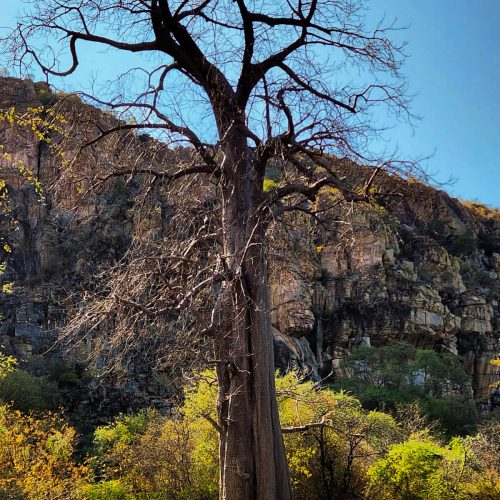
(482,211)
(398,373)
(41,123)
(260,89)
(28,392)
(332,446)
(36,457)
(335,449)
(36,452)
(464,244)
(424,468)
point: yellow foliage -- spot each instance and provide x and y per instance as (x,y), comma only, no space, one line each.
(482,211)
(323,452)
(176,457)
(7,365)
(42,123)
(424,468)
(36,457)
(297,463)
(147,455)
(269,185)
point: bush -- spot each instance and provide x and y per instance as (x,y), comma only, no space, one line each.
(423,468)
(489,242)
(455,415)
(163,457)
(177,457)
(36,457)
(437,229)
(335,448)
(464,244)
(66,376)
(107,490)
(47,98)
(331,461)
(114,442)
(28,392)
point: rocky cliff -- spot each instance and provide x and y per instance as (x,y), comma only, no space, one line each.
(423,267)
(417,265)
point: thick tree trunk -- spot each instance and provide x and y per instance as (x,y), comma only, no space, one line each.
(252,456)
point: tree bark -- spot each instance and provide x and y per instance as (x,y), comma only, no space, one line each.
(252,456)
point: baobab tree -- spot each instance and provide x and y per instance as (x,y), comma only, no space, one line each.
(245,84)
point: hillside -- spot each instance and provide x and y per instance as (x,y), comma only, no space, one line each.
(417,266)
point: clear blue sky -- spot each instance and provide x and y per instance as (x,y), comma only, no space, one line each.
(453,70)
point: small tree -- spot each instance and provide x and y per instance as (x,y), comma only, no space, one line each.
(272,83)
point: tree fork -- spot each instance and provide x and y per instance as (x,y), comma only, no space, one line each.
(197,44)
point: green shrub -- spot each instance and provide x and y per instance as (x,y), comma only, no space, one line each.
(423,468)
(398,373)
(330,461)
(123,431)
(464,244)
(47,98)
(28,392)
(107,490)
(436,228)
(489,242)
(63,374)
(177,457)
(457,416)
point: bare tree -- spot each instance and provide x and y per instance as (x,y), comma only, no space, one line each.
(270,81)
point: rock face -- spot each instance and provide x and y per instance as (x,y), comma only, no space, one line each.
(421,267)
(427,278)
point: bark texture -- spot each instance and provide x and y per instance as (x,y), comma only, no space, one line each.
(252,455)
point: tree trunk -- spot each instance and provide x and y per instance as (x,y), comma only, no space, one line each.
(252,456)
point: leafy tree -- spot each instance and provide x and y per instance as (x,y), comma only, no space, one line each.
(260,74)
(398,373)
(112,442)
(29,392)
(173,457)
(23,390)
(330,442)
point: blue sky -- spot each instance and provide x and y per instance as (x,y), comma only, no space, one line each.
(453,69)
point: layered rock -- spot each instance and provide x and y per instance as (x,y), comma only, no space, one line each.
(422,268)
(391,280)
